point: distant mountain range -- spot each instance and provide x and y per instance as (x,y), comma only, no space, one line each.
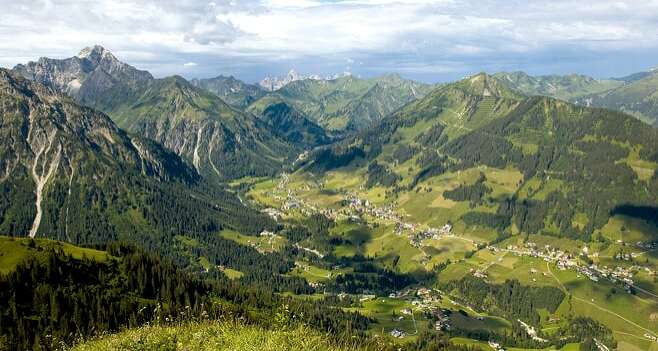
(234,91)
(636,94)
(345,104)
(564,87)
(276,83)
(226,128)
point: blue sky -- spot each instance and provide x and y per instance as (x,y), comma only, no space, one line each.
(420,39)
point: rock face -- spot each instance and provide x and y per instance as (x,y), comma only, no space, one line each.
(276,83)
(63,165)
(85,77)
(234,91)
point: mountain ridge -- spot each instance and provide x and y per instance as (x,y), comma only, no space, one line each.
(465,125)
(219,140)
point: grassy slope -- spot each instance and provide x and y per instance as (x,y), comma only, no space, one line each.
(16,250)
(213,336)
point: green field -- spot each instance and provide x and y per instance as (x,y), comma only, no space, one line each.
(16,250)
(261,243)
(425,205)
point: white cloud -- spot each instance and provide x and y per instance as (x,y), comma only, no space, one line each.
(394,35)
(190,64)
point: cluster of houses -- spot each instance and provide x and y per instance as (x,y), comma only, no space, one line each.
(430,233)
(651,337)
(442,320)
(361,206)
(354,208)
(273,213)
(649,245)
(565,260)
(397,333)
(496,346)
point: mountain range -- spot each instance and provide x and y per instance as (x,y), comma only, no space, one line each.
(563,87)
(276,83)
(69,173)
(233,91)
(219,140)
(635,94)
(638,96)
(345,104)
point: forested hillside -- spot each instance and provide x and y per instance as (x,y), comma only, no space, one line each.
(51,299)
(479,122)
(70,174)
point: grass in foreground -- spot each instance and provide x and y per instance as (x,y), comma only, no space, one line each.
(213,336)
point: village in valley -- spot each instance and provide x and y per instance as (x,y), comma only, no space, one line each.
(431,304)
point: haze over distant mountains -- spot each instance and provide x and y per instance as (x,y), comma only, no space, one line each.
(218,123)
(276,83)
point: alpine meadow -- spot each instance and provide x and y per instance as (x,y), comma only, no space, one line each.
(329,175)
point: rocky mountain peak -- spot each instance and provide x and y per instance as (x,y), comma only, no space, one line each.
(93,52)
(276,83)
(85,77)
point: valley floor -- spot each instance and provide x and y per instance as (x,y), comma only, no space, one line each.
(412,225)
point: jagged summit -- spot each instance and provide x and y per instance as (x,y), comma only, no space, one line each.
(276,83)
(86,77)
(94,51)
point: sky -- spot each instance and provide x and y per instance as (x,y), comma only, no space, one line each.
(430,41)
